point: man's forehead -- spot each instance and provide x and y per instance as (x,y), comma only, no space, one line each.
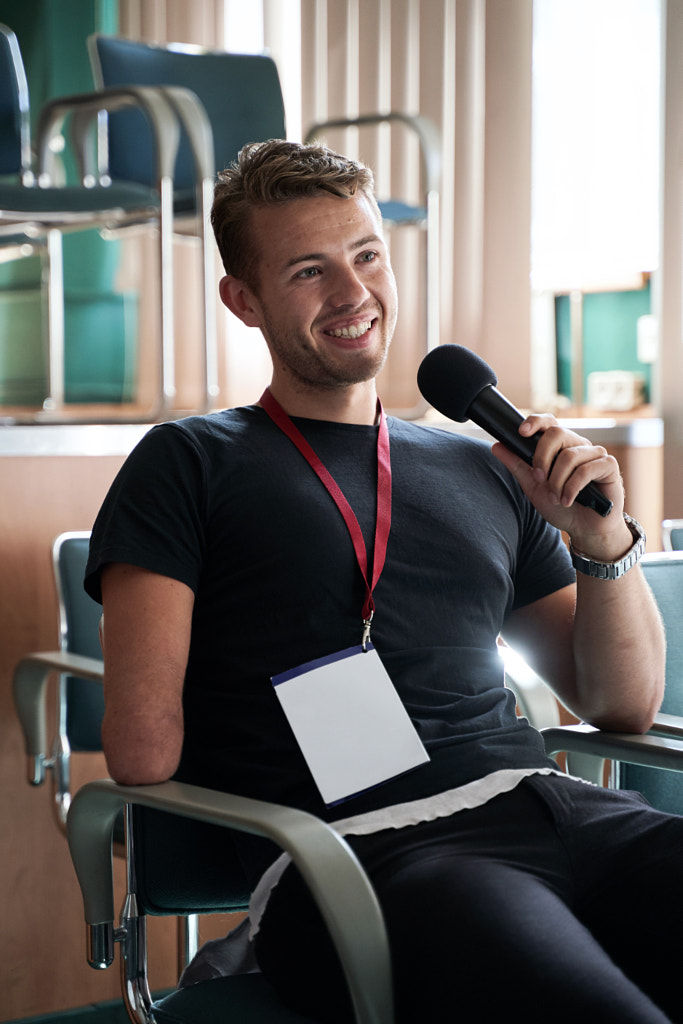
(312,226)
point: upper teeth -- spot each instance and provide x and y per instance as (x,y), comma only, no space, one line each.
(353,331)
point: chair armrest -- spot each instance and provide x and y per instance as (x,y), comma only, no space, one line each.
(424,128)
(661,747)
(85,108)
(332,872)
(29,688)
(667,725)
(193,116)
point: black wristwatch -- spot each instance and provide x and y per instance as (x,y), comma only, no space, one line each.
(612,570)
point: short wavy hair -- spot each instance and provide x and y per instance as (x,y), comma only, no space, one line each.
(270,173)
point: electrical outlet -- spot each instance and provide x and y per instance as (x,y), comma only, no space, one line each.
(648,338)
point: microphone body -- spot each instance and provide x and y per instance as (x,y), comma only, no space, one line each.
(473,395)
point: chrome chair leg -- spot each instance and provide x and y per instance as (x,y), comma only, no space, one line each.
(188,940)
(133,938)
(132,935)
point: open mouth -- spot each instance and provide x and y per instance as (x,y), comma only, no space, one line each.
(354,331)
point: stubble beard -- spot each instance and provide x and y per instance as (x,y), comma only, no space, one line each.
(310,368)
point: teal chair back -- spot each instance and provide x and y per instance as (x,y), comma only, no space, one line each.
(664,573)
(672,534)
(79,618)
(14,137)
(240,93)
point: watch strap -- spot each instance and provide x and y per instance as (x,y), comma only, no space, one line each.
(612,570)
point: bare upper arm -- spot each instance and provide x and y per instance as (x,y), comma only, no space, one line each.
(542,633)
(147,620)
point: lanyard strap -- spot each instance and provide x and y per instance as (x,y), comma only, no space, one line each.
(383,520)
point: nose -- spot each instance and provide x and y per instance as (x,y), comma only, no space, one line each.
(346,287)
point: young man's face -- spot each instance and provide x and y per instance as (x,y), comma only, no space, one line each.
(326,300)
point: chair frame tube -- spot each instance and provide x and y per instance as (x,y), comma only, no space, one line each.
(86,109)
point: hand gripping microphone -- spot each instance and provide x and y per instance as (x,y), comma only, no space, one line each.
(462,386)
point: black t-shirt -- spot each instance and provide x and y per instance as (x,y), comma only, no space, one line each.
(227,505)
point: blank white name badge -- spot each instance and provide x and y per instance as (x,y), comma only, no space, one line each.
(349,722)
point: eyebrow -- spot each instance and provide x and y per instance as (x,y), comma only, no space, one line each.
(313,256)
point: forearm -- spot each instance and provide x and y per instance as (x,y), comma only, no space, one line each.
(147,637)
(142,747)
(619,653)
(614,641)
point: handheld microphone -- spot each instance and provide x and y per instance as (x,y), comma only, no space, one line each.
(463,387)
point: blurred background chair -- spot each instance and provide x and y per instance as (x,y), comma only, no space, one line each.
(672,534)
(664,573)
(36,208)
(241,97)
(79,698)
(402,211)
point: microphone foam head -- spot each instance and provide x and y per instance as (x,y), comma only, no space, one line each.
(450,377)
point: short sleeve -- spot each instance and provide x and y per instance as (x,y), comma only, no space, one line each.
(153,516)
(543,562)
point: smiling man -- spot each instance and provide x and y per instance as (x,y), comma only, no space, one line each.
(328,312)
(269,571)
(325,300)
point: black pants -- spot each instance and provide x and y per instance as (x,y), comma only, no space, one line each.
(556,902)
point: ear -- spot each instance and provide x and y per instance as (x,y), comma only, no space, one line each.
(240,300)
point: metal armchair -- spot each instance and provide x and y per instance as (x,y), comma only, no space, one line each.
(35,209)
(241,101)
(205,873)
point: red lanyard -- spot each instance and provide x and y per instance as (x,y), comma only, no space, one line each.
(383,521)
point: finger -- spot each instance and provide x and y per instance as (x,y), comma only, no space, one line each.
(553,440)
(576,467)
(537,421)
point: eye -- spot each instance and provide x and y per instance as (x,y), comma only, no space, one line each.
(308,272)
(368,257)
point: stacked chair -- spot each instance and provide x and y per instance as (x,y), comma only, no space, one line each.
(36,209)
(253,113)
(239,100)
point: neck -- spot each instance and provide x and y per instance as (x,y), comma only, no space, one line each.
(355,404)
